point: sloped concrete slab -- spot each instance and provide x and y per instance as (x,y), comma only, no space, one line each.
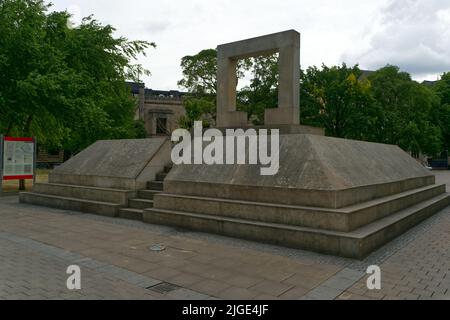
(123,164)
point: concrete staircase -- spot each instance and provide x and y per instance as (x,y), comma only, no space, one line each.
(102,201)
(353,231)
(144,198)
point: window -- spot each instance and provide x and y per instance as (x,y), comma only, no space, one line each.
(161,126)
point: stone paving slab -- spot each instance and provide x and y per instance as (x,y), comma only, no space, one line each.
(99,275)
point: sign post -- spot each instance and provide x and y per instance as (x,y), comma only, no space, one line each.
(1,164)
(18,159)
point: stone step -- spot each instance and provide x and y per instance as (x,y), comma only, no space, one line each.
(147,194)
(155,185)
(345,219)
(140,203)
(83,192)
(88,206)
(161,176)
(355,244)
(131,214)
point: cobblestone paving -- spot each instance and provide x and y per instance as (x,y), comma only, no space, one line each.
(37,245)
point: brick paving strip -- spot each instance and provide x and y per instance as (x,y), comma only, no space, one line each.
(336,285)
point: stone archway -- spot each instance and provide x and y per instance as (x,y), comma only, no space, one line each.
(287,43)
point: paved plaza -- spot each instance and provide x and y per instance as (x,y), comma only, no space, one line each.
(118,260)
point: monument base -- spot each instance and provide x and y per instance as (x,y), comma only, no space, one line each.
(104,178)
(334,196)
(281,116)
(284,129)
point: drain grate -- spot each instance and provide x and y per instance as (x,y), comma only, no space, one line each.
(163,288)
(157,248)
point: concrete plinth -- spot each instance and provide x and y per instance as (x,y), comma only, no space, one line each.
(335,196)
(121,164)
(104,178)
(283,129)
(314,170)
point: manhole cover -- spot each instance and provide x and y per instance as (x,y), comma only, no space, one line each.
(157,248)
(163,288)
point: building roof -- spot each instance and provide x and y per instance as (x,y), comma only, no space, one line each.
(365,74)
(155,94)
(135,86)
(171,94)
(429,83)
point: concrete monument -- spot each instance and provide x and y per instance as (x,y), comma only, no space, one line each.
(105,178)
(334,196)
(288,45)
(287,116)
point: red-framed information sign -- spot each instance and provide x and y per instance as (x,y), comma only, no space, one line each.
(17,158)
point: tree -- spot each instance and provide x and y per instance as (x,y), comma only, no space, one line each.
(64,85)
(388,107)
(405,112)
(262,92)
(334,98)
(198,109)
(200,72)
(200,79)
(442,112)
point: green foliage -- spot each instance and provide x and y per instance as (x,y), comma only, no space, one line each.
(442,113)
(334,98)
(442,88)
(139,129)
(405,112)
(64,85)
(199,72)
(200,79)
(198,109)
(388,107)
(262,93)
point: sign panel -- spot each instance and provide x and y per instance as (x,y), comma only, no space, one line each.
(18,158)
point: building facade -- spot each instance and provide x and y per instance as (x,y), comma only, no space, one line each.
(160,110)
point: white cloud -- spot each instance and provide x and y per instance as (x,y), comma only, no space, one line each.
(372,32)
(413,34)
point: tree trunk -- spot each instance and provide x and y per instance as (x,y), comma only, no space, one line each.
(8,130)
(27,127)
(26,132)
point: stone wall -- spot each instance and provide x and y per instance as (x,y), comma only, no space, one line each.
(165,111)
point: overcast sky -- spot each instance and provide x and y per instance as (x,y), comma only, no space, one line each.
(413,34)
